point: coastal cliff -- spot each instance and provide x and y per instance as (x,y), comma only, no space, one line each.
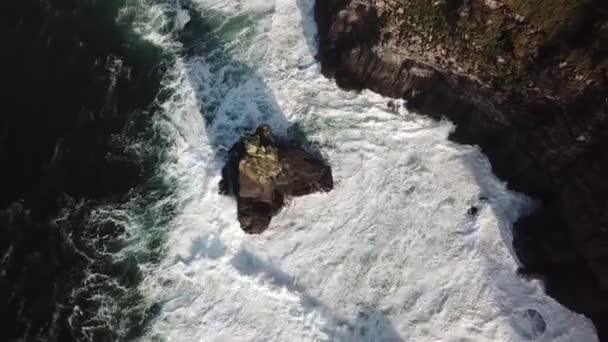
(526,81)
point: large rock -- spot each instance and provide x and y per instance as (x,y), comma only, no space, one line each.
(262,172)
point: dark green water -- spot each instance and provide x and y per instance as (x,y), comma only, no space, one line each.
(80,158)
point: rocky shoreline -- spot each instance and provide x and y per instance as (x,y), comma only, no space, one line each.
(530,90)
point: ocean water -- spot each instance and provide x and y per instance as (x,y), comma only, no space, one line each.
(391,254)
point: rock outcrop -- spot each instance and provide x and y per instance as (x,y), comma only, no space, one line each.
(527,81)
(262,173)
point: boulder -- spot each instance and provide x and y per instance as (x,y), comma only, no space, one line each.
(262,172)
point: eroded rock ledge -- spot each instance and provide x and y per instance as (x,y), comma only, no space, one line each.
(527,81)
(262,172)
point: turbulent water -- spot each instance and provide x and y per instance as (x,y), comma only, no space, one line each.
(394,252)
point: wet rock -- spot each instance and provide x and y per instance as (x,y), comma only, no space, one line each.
(262,172)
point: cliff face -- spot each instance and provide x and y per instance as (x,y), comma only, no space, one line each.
(525,80)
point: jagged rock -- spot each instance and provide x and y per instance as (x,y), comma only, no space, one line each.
(262,172)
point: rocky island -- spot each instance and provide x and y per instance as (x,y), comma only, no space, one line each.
(262,172)
(527,81)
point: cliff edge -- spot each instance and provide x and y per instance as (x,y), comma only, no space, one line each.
(527,81)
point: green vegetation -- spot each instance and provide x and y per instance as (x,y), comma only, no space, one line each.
(432,17)
(502,50)
(553,16)
(511,80)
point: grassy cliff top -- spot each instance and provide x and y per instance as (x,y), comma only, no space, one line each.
(556,47)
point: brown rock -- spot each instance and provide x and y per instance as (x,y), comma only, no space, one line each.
(261,172)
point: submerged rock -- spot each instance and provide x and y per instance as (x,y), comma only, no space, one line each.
(261,172)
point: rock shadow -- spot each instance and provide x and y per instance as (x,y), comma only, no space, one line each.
(208,246)
(234,101)
(232,98)
(369,324)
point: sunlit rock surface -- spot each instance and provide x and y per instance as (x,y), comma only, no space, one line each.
(262,173)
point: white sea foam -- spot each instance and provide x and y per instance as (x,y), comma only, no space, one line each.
(390,254)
